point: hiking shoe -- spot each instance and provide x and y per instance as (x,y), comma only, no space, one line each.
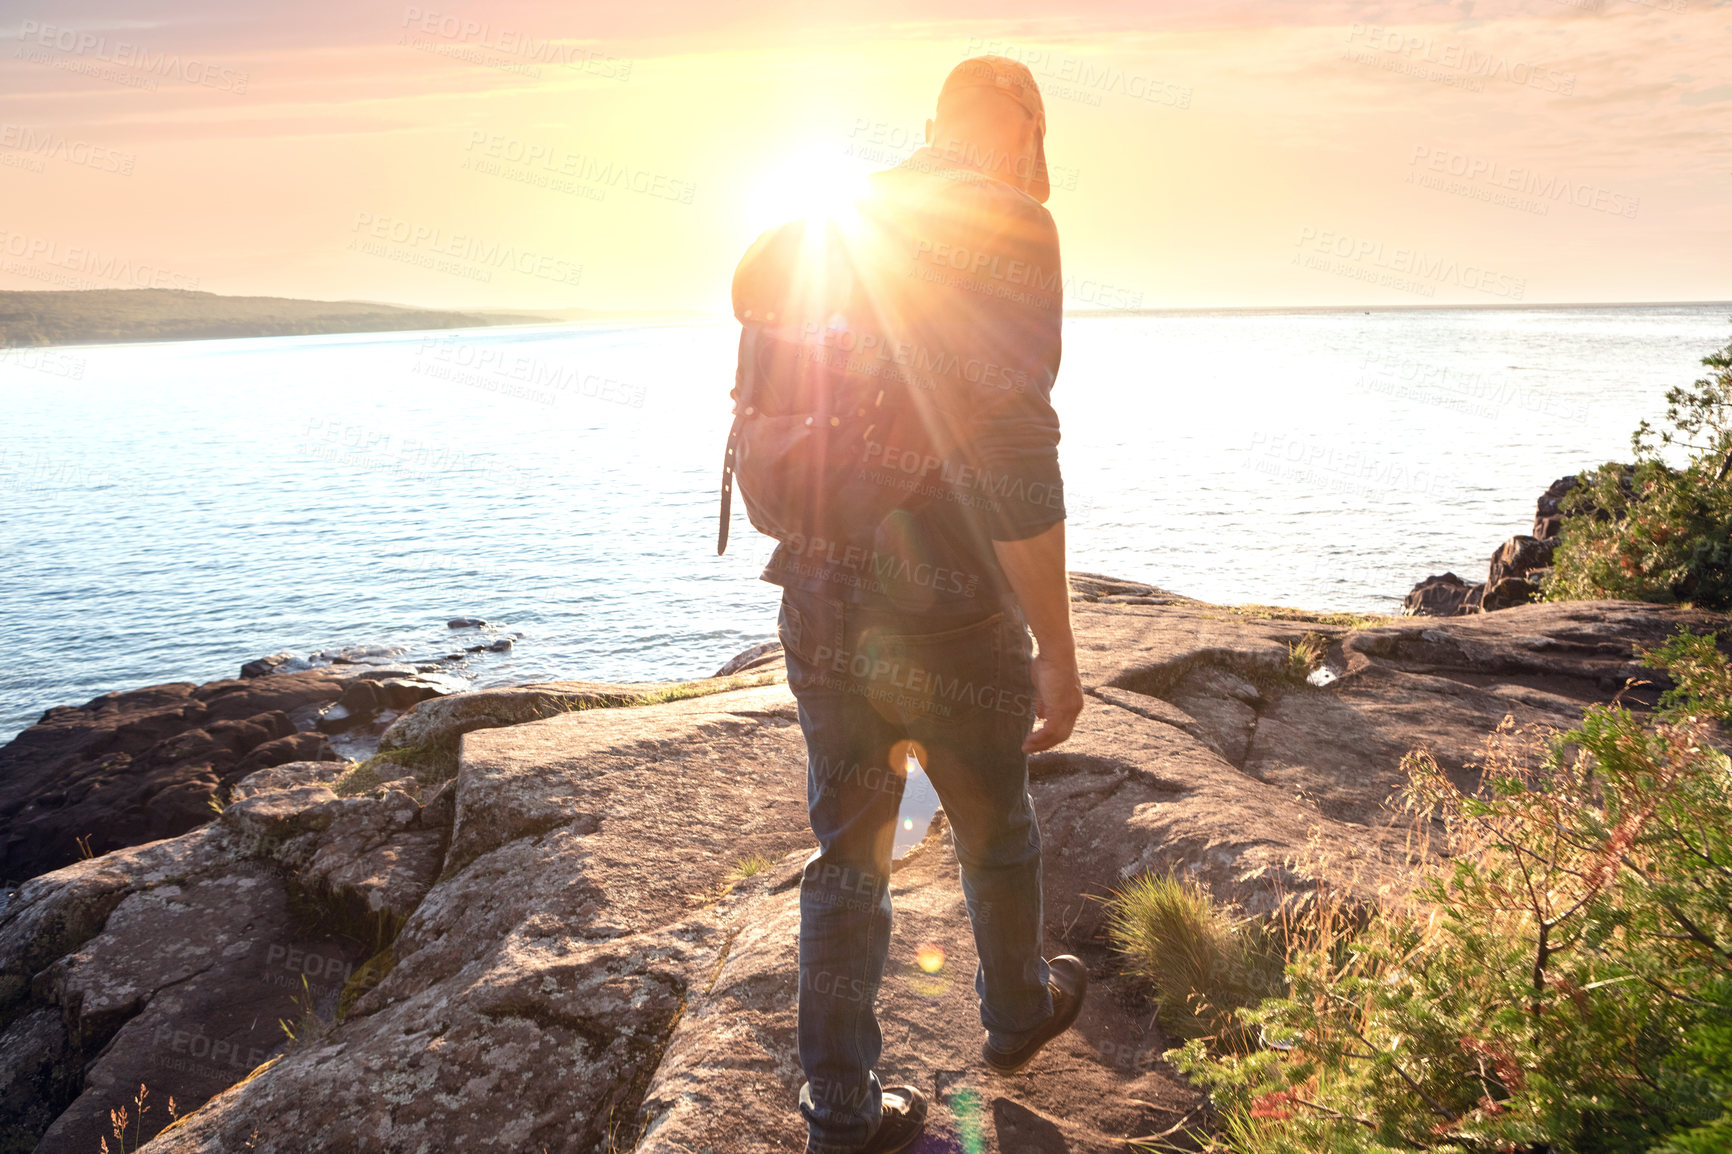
(1069,983)
(904,1119)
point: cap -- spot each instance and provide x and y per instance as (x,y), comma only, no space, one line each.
(1012,78)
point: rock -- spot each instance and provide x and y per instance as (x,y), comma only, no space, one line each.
(275,663)
(763,653)
(132,767)
(1509,592)
(448,718)
(287,776)
(499,646)
(281,750)
(1548,516)
(168,965)
(149,763)
(1518,557)
(1445,595)
(465,623)
(359,655)
(547,967)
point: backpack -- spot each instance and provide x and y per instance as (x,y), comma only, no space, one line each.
(811,399)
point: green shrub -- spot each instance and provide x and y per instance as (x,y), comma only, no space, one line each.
(1563,983)
(1205,965)
(1651,532)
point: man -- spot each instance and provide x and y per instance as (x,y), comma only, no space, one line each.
(908,636)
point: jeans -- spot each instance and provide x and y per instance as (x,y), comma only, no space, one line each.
(873,684)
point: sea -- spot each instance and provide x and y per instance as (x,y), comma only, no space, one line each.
(171,510)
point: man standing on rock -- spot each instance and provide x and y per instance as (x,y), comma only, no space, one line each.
(907,630)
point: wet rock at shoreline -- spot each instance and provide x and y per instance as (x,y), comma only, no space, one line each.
(1443,595)
(151,763)
(762,654)
(1512,578)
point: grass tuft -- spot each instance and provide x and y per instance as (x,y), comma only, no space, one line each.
(356,780)
(749,867)
(1306,654)
(1203,962)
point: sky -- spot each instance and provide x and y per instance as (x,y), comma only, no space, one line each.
(528,155)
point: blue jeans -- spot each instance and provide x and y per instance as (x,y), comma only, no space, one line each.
(871,685)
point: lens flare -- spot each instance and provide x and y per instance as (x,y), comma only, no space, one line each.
(930,958)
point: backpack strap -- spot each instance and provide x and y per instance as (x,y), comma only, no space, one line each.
(742,408)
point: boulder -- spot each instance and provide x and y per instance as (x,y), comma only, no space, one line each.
(1518,557)
(275,663)
(1443,595)
(1509,592)
(151,763)
(132,767)
(761,654)
(1548,512)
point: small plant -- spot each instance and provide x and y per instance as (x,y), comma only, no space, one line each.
(307,1026)
(119,1119)
(1306,654)
(356,780)
(1205,964)
(749,867)
(432,762)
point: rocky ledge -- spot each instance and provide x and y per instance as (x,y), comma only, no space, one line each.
(562,917)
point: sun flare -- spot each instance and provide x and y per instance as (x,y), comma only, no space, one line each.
(812,184)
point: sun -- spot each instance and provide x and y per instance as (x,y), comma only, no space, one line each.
(812,183)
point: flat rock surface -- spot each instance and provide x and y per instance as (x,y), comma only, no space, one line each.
(570,956)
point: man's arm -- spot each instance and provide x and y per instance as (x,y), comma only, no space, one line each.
(1035,569)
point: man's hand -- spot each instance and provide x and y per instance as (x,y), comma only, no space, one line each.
(1058,698)
(1035,569)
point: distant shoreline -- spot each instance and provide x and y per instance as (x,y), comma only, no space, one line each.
(49,318)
